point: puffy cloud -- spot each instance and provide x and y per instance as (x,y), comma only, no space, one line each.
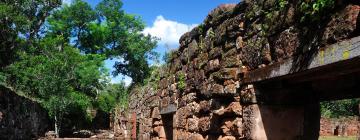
(168,31)
(120,78)
(66,2)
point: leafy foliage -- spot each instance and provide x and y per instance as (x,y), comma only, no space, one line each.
(336,109)
(154,78)
(282,4)
(60,77)
(169,56)
(56,54)
(181,84)
(108,30)
(24,18)
(115,95)
(314,10)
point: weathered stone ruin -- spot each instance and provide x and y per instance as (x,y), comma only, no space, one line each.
(348,126)
(219,83)
(21,118)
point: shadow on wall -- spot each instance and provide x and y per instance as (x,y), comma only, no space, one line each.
(282,119)
(168,122)
(286,122)
(289,109)
(21,118)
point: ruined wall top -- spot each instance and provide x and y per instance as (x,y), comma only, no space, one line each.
(203,79)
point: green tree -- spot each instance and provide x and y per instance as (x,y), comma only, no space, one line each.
(114,95)
(56,55)
(60,77)
(21,17)
(336,109)
(108,30)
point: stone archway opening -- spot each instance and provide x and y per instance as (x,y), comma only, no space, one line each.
(167,117)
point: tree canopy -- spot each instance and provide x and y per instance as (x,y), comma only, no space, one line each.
(55,54)
(107,30)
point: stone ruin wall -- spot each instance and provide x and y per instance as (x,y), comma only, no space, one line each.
(349,126)
(20,117)
(201,87)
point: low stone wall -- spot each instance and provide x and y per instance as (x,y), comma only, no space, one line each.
(200,93)
(349,126)
(21,118)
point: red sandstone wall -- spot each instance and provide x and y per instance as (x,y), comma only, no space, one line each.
(343,127)
(204,77)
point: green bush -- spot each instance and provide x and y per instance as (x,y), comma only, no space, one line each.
(314,10)
(336,109)
(2,78)
(114,95)
(181,84)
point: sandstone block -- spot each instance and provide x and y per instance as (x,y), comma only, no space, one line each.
(199,78)
(182,135)
(156,113)
(248,95)
(188,98)
(159,131)
(217,89)
(342,24)
(205,106)
(212,65)
(227,138)
(239,42)
(163,83)
(165,102)
(230,89)
(181,116)
(230,45)
(185,56)
(286,44)
(201,60)
(231,61)
(215,53)
(196,137)
(157,123)
(192,109)
(193,49)
(193,124)
(204,124)
(226,74)
(153,101)
(218,13)
(234,108)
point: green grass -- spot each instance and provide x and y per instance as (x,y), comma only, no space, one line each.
(338,138)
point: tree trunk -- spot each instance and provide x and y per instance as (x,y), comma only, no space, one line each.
(57,127)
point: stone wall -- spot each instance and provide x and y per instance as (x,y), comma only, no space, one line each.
(349,126)
(21,118)
(201,94)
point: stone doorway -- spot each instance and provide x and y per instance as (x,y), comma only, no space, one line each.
(167,120)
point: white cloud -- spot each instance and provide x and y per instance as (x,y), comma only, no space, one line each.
(109,64)
(68,2)
(168,31)
(120,78)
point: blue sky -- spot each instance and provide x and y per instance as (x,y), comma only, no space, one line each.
(165,19)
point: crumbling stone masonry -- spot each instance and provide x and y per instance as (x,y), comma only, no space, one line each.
(21,118)
(349,126)
(231,77)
